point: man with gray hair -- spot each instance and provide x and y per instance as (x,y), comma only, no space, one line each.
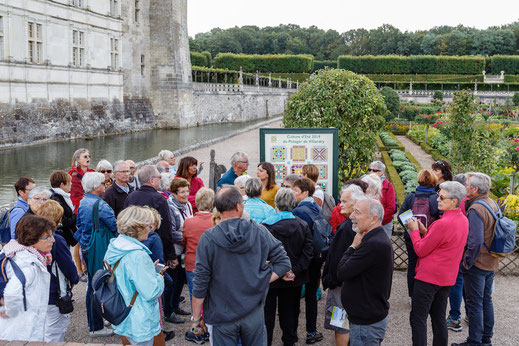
(387,196)
(116,194)
(235,262)
(240,184)
(478,264)
(147,195)
(366,272)
(340,243)
(239,164)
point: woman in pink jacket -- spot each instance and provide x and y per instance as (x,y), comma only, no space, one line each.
(439,249)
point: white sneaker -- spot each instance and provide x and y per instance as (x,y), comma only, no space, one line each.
(103,332)
(106,323)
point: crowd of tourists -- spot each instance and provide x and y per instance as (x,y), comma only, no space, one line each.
(247,252)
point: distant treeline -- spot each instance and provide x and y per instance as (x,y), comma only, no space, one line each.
(384,40)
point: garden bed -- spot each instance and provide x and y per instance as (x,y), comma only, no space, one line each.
(387,141)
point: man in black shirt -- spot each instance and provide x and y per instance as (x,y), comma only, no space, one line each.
(366,272)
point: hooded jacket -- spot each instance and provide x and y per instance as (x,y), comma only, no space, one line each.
(231,273)
(296,238)
(25,325)
(136,272)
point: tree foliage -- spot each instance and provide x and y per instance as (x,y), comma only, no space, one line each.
(344,100)
(384,40)
(392,101)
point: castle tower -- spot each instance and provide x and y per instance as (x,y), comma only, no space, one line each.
(171,90)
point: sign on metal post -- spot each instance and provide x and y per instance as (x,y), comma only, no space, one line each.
(289,149)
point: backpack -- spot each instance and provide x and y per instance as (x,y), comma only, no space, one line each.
(421,210)
(106,298)
(322,233)
(4,279)
(503,237)
(327,207)
(5,228)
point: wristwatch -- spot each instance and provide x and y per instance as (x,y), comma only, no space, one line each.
(353,247)
(198,320)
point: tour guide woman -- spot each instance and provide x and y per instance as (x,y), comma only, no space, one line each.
(187,169)
(439,254)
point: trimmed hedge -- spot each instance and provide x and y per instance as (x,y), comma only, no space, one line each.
(411,158)
(420,64)
(265,63)
(321,64)
(507,63)
(198,59)
(209,58)
(386,147)
(430,78)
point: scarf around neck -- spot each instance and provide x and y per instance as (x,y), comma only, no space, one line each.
(13,247)
(65,195)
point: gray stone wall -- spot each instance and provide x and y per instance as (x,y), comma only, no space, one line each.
(250,104)
(29,123)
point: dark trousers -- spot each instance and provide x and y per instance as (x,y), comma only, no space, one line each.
(287,300)
(249,329)
(95,321)
(173,291)
(314,273)
(480,308)
(167,302)
(429,299)
(412,259)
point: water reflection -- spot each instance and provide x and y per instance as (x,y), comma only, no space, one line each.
(38,161)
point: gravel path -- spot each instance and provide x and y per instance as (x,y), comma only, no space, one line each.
(421,156)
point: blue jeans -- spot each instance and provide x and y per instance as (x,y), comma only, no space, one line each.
(189,278)
(480,309)
(369,334)
(95,321)
(455,298)
(167,303)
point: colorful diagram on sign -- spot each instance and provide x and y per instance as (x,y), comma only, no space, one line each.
(278,154)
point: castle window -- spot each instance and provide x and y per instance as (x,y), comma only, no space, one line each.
(142,65)
(114,53)
(114,8)
(137,11)
(77,3)
(78,48)
(35,44)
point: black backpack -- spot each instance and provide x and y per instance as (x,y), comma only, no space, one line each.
(4,279)
(322,233)
(106,299)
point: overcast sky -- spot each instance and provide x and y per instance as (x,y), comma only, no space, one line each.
(342,15)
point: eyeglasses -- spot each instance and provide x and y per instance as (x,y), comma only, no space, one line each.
(246,162)
(443,197)
(441,163)
(121,171)
(373,170)
(48,238)
(40,199)
(132,167)
(107,171)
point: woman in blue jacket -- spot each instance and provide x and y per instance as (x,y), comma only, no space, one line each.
(136,273)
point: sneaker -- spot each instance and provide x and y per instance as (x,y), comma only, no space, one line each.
(470,343)
(173,318)
(106,323)
(103,332)
(169,335)
(312,338)
(454,325)
(180,311)
(196,338)
(207,336)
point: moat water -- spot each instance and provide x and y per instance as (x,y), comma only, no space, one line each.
(38,161)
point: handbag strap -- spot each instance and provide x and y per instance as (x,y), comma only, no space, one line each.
(135,294)
(95,216)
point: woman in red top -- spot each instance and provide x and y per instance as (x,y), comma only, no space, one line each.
(439,249)
(193,229)
(80,163)
(187,169)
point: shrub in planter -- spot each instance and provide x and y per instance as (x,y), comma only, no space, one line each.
(344,100)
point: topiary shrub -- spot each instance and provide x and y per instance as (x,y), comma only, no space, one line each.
(208,57)
(392,101)
(515,99)
(198,59)
(348,102)
(438,95)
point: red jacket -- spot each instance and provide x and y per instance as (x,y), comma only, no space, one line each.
(76,191)
(337,218)
(440,250)
(191,233)
(388,200)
